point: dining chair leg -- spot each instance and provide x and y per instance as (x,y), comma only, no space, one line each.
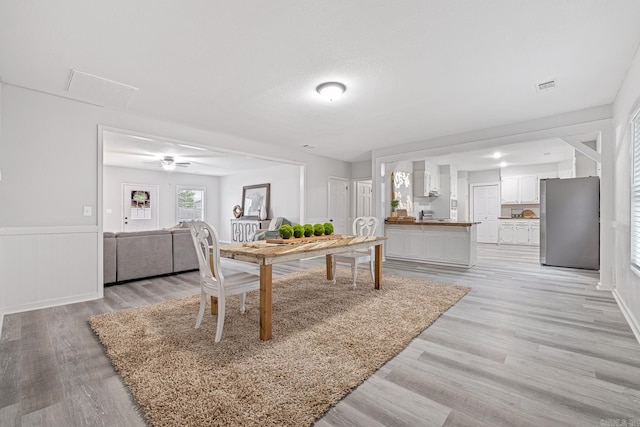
(203,304)
(333,270)
(221,308)
(243,298)
(354,272)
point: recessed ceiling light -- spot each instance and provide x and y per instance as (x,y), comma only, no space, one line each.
(331,90)
(548,153)
(308,146)
(497,155)
(503,164)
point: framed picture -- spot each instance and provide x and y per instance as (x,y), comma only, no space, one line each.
(254,199)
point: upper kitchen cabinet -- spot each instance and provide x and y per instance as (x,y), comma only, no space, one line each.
(426,183)
(520,190)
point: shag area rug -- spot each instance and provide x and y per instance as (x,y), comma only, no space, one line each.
(327,339)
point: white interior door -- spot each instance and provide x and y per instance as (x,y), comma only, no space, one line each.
(486,208)
(339,204)
(140,207)
(363,198)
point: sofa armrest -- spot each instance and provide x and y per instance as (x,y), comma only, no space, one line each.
(184,252)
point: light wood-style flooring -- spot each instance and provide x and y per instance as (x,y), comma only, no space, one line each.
(529,345)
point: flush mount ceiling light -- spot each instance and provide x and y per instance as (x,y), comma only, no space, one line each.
(331,90)
(503,164)
(496,155)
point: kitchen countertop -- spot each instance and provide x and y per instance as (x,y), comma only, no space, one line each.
(434,222)
(508,217)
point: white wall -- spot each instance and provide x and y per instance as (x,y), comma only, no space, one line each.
(627,282)
(482,177)
(50,170)
(284,198)
(361,170)
(463,196)
(114,177)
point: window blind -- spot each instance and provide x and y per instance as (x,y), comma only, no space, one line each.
(635,194)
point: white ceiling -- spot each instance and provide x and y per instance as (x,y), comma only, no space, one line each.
(522,154)
(138,152)
(414,70)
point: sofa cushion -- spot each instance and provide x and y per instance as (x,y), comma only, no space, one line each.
(109,257)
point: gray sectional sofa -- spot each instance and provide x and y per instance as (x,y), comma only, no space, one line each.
(139,254)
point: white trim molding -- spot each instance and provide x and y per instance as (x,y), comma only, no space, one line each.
(628,315)
(49,266)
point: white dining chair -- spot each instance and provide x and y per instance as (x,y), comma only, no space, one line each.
(212,281)
(362,226)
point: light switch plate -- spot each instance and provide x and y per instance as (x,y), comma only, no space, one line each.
(87,211)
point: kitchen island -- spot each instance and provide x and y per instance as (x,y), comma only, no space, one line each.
(434,242)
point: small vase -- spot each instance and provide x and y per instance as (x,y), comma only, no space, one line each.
(263,213)
(394,214)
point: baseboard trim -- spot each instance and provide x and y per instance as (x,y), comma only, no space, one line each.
(605,287)
(49,303)
(631,320)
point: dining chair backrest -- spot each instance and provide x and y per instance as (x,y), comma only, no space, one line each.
(207,244)
(365,225)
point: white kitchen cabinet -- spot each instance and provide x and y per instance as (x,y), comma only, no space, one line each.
(510,190)
(436,244)
(434,176)
(534,233)
(519,190)
(520,232)
(507,232)
(529,189)
(421,183)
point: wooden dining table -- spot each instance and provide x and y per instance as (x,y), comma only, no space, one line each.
(266,254)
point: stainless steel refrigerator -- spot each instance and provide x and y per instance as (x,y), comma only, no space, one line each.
(570,222)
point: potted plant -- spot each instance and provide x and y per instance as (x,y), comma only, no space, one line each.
(394,205)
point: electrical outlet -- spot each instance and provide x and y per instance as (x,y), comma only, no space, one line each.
(87,211)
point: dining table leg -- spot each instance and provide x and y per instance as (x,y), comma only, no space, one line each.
(329,267)
(377,267)
(265,301)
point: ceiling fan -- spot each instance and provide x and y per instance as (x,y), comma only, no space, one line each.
(168,163)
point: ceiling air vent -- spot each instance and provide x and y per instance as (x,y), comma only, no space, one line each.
(548,85)
(98,90)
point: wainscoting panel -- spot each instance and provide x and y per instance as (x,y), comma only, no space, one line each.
(47,266)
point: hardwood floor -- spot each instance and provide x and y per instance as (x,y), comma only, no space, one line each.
(529,345)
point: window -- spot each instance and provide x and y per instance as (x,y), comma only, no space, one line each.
(635,193)
(190,203)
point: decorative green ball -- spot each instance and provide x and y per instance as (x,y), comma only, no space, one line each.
(285,231)
(328,228)
(308,230)
(318,229)
(298,230)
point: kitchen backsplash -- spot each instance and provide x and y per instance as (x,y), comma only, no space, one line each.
(506,209)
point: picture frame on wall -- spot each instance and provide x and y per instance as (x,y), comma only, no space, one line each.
(255,198)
